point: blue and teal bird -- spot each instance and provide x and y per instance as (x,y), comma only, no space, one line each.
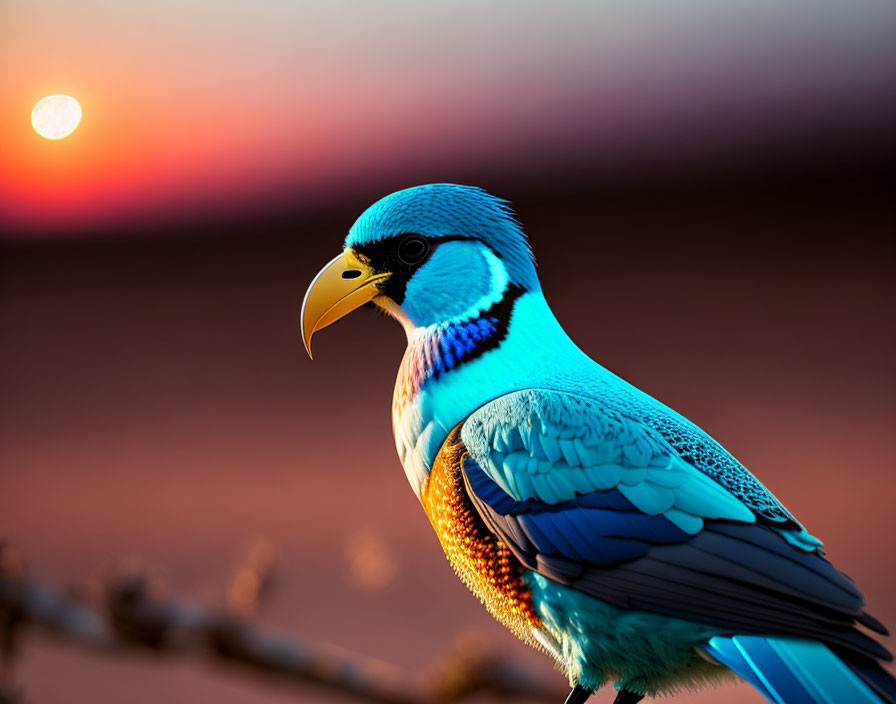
(596,523)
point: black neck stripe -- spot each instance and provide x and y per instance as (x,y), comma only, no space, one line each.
(460,343)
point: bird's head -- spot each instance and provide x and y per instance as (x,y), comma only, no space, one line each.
(428,255)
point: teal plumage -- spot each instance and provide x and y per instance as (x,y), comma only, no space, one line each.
(638,647)
(636,549)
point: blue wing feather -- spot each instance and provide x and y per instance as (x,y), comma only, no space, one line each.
(600,502)
(600,528)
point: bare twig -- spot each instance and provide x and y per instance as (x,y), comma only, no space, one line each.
(133,619)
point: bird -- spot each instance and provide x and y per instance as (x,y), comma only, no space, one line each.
(597,524)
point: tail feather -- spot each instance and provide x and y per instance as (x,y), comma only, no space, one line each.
(795,671)
(869,621)
(876,677)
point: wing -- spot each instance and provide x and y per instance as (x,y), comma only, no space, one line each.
(601,502)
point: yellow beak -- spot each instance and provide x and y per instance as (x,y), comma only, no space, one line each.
(341,286)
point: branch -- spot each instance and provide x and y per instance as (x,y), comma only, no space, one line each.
(132,619)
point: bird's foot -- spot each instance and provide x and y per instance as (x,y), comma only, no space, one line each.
(578,695)
(626,696)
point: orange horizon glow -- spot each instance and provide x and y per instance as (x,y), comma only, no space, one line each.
(147,151)
(203,106)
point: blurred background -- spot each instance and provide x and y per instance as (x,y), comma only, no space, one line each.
(705,186)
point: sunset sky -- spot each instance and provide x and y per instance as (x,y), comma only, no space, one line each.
(199,103)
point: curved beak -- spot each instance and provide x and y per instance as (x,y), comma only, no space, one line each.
(344,284)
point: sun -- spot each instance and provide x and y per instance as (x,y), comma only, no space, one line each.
(56,116)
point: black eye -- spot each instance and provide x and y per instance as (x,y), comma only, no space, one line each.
(413,249)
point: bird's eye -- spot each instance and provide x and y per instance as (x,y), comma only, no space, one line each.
(413,249)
